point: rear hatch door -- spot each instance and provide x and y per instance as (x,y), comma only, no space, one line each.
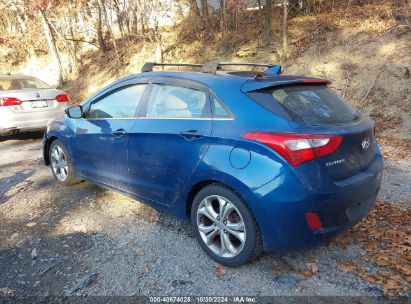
(356,151)
(311,107)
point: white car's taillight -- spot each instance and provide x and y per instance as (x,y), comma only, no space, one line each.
(9,101)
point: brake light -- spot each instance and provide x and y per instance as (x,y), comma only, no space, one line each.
(297,148)
(323,81)
(62,98)
(9,101)
(313,221)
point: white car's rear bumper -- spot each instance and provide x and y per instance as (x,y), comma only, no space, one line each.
(12,122)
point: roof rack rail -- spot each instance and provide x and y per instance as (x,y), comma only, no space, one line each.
(271,68)
(211,67)
(266,65)
(148,66)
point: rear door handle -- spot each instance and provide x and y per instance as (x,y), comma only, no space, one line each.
(119,133)
(191,134)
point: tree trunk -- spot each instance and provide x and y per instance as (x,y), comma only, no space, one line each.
(267,28)
(143,24)
(222,14)
(99,30)
(109,24)
(204,8)
(285,28)
(70,49)
(119,17)
(52,45)
(135,21)
(260,15)
(195,12)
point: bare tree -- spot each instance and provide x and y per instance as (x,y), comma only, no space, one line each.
(99,28)
(52,44)
(285,28)
(266,31)
(204,8)
(222,14)
(196,15)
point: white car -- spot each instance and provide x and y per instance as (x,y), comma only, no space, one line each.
(27,104)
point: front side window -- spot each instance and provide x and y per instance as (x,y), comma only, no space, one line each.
(120,104)
(169,101)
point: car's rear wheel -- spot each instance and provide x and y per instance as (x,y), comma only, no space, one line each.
(224,226)
(61,164)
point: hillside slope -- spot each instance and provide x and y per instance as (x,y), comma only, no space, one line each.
(365,52)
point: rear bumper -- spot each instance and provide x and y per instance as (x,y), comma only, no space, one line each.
(18,129)
(35,126)
(12,123)
(280,208)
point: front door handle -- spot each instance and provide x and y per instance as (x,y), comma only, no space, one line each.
(119,133)
(191,134)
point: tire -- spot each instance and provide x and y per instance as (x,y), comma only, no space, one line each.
(219,214)
(61,164)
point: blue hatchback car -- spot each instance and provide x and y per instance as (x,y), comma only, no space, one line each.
(256,160)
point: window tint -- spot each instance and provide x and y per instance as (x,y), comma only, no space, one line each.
(120,104)
(169,101)
(22,83)
(219,109)
(307,104)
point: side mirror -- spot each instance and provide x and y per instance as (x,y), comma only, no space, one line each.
(75,112)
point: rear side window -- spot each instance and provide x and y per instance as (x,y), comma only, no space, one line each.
(170,101)
(219,111)
(120,104)
(307,104)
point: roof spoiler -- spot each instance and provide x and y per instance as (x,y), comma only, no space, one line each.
(255,85)
(211,67)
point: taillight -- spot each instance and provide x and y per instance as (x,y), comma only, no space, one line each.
(318,81)
(297,148)
(9,101)
(313,221)
(62,98)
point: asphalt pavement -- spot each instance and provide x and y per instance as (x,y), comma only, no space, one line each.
(87,241)
(18,148)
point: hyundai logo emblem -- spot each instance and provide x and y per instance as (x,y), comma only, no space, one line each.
(366,143)
(37,95)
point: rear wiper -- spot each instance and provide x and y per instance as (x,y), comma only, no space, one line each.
(356,115)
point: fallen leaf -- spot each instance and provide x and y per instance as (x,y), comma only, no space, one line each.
(305,273)
(34,253)
(393,285)
(312,267)
(371,245)
(220,270)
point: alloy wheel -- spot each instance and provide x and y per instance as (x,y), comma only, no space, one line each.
(59,163)
(221,226)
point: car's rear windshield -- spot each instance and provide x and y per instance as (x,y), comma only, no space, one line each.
(308,104)
(7,84)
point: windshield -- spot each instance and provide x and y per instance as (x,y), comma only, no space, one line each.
(308,104)
(7,84)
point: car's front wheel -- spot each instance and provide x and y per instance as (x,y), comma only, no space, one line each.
(224,226)
(61,164)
